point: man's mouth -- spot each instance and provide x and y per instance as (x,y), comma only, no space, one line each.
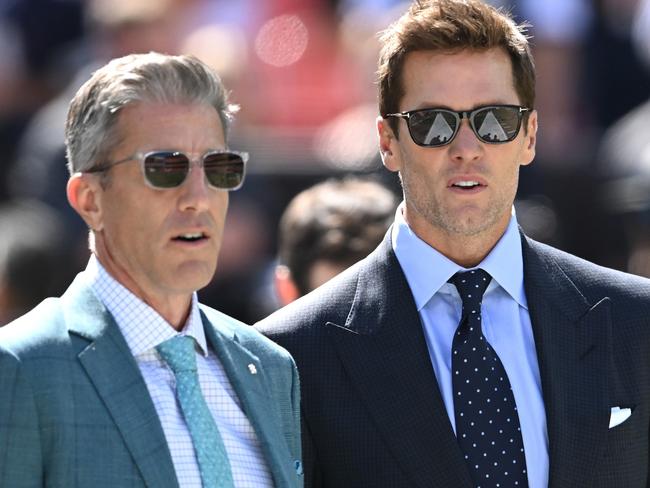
(466,184)
(190,237)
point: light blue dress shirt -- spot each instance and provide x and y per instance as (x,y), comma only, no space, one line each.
(506,326)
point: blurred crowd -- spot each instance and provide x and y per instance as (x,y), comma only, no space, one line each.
(303,73)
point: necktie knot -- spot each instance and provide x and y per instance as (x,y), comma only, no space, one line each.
(178,352)
(471,286)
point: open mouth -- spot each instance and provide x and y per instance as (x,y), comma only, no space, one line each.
(190,237)
(466,185)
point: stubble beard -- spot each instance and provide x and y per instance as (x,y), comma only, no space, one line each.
(449,221)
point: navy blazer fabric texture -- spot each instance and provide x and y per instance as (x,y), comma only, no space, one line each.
(373,415)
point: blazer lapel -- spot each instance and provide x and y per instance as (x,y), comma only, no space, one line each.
(247,376)
(384,350)
(573,342)
(112,369)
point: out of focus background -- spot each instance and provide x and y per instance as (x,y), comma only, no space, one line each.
(303,72)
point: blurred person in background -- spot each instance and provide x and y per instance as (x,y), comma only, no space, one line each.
(34,262)
(35,37)
(126,380)
(113,28)
(303,71)
(592,75)
(624,171)
(461,352)
(326,229)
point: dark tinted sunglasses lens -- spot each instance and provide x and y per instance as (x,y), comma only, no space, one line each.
(224,170)
(497,124)
(432,127)
(166,169)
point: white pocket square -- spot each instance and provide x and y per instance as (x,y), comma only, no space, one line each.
(618,416)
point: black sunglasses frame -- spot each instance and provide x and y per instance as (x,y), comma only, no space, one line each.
(459,115)
(141,157)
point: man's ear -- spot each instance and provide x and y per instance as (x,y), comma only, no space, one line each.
(285,288)
(388,145)
(84,195)
(530,139)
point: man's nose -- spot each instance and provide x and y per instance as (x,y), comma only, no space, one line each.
(465,146)
(195,188)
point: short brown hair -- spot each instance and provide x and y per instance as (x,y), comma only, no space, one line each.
(451,26)
(335,221)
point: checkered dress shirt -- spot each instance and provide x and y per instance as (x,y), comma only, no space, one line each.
(143,328)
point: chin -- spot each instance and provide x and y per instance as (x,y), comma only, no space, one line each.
(464,223)
(193,275)
(475,221)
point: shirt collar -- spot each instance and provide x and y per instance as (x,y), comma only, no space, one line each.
(142,327)
(427,270)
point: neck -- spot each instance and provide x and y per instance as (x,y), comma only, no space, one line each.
(173,307)
(465,249)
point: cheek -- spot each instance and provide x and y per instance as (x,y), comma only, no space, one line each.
(125,230)
(219,207)
(423,169)
(130,220)
(510,179)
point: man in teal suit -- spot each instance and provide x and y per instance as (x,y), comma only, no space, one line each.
(94,390)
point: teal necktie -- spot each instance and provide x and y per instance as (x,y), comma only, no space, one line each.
(214,466)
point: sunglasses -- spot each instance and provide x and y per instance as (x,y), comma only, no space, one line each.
(169,169)
(435,127)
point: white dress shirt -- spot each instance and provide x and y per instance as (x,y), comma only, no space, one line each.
(143,328)
(506,326)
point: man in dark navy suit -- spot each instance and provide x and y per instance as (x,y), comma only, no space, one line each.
(462,353)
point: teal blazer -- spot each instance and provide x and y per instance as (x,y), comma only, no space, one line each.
(75,411)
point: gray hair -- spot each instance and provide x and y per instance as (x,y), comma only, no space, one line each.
(90,130)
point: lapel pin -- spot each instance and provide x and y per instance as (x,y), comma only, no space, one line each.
(252,368)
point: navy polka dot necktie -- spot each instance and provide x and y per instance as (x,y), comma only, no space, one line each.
(487,423)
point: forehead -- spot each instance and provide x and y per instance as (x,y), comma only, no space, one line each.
(159,125)
(459,80)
